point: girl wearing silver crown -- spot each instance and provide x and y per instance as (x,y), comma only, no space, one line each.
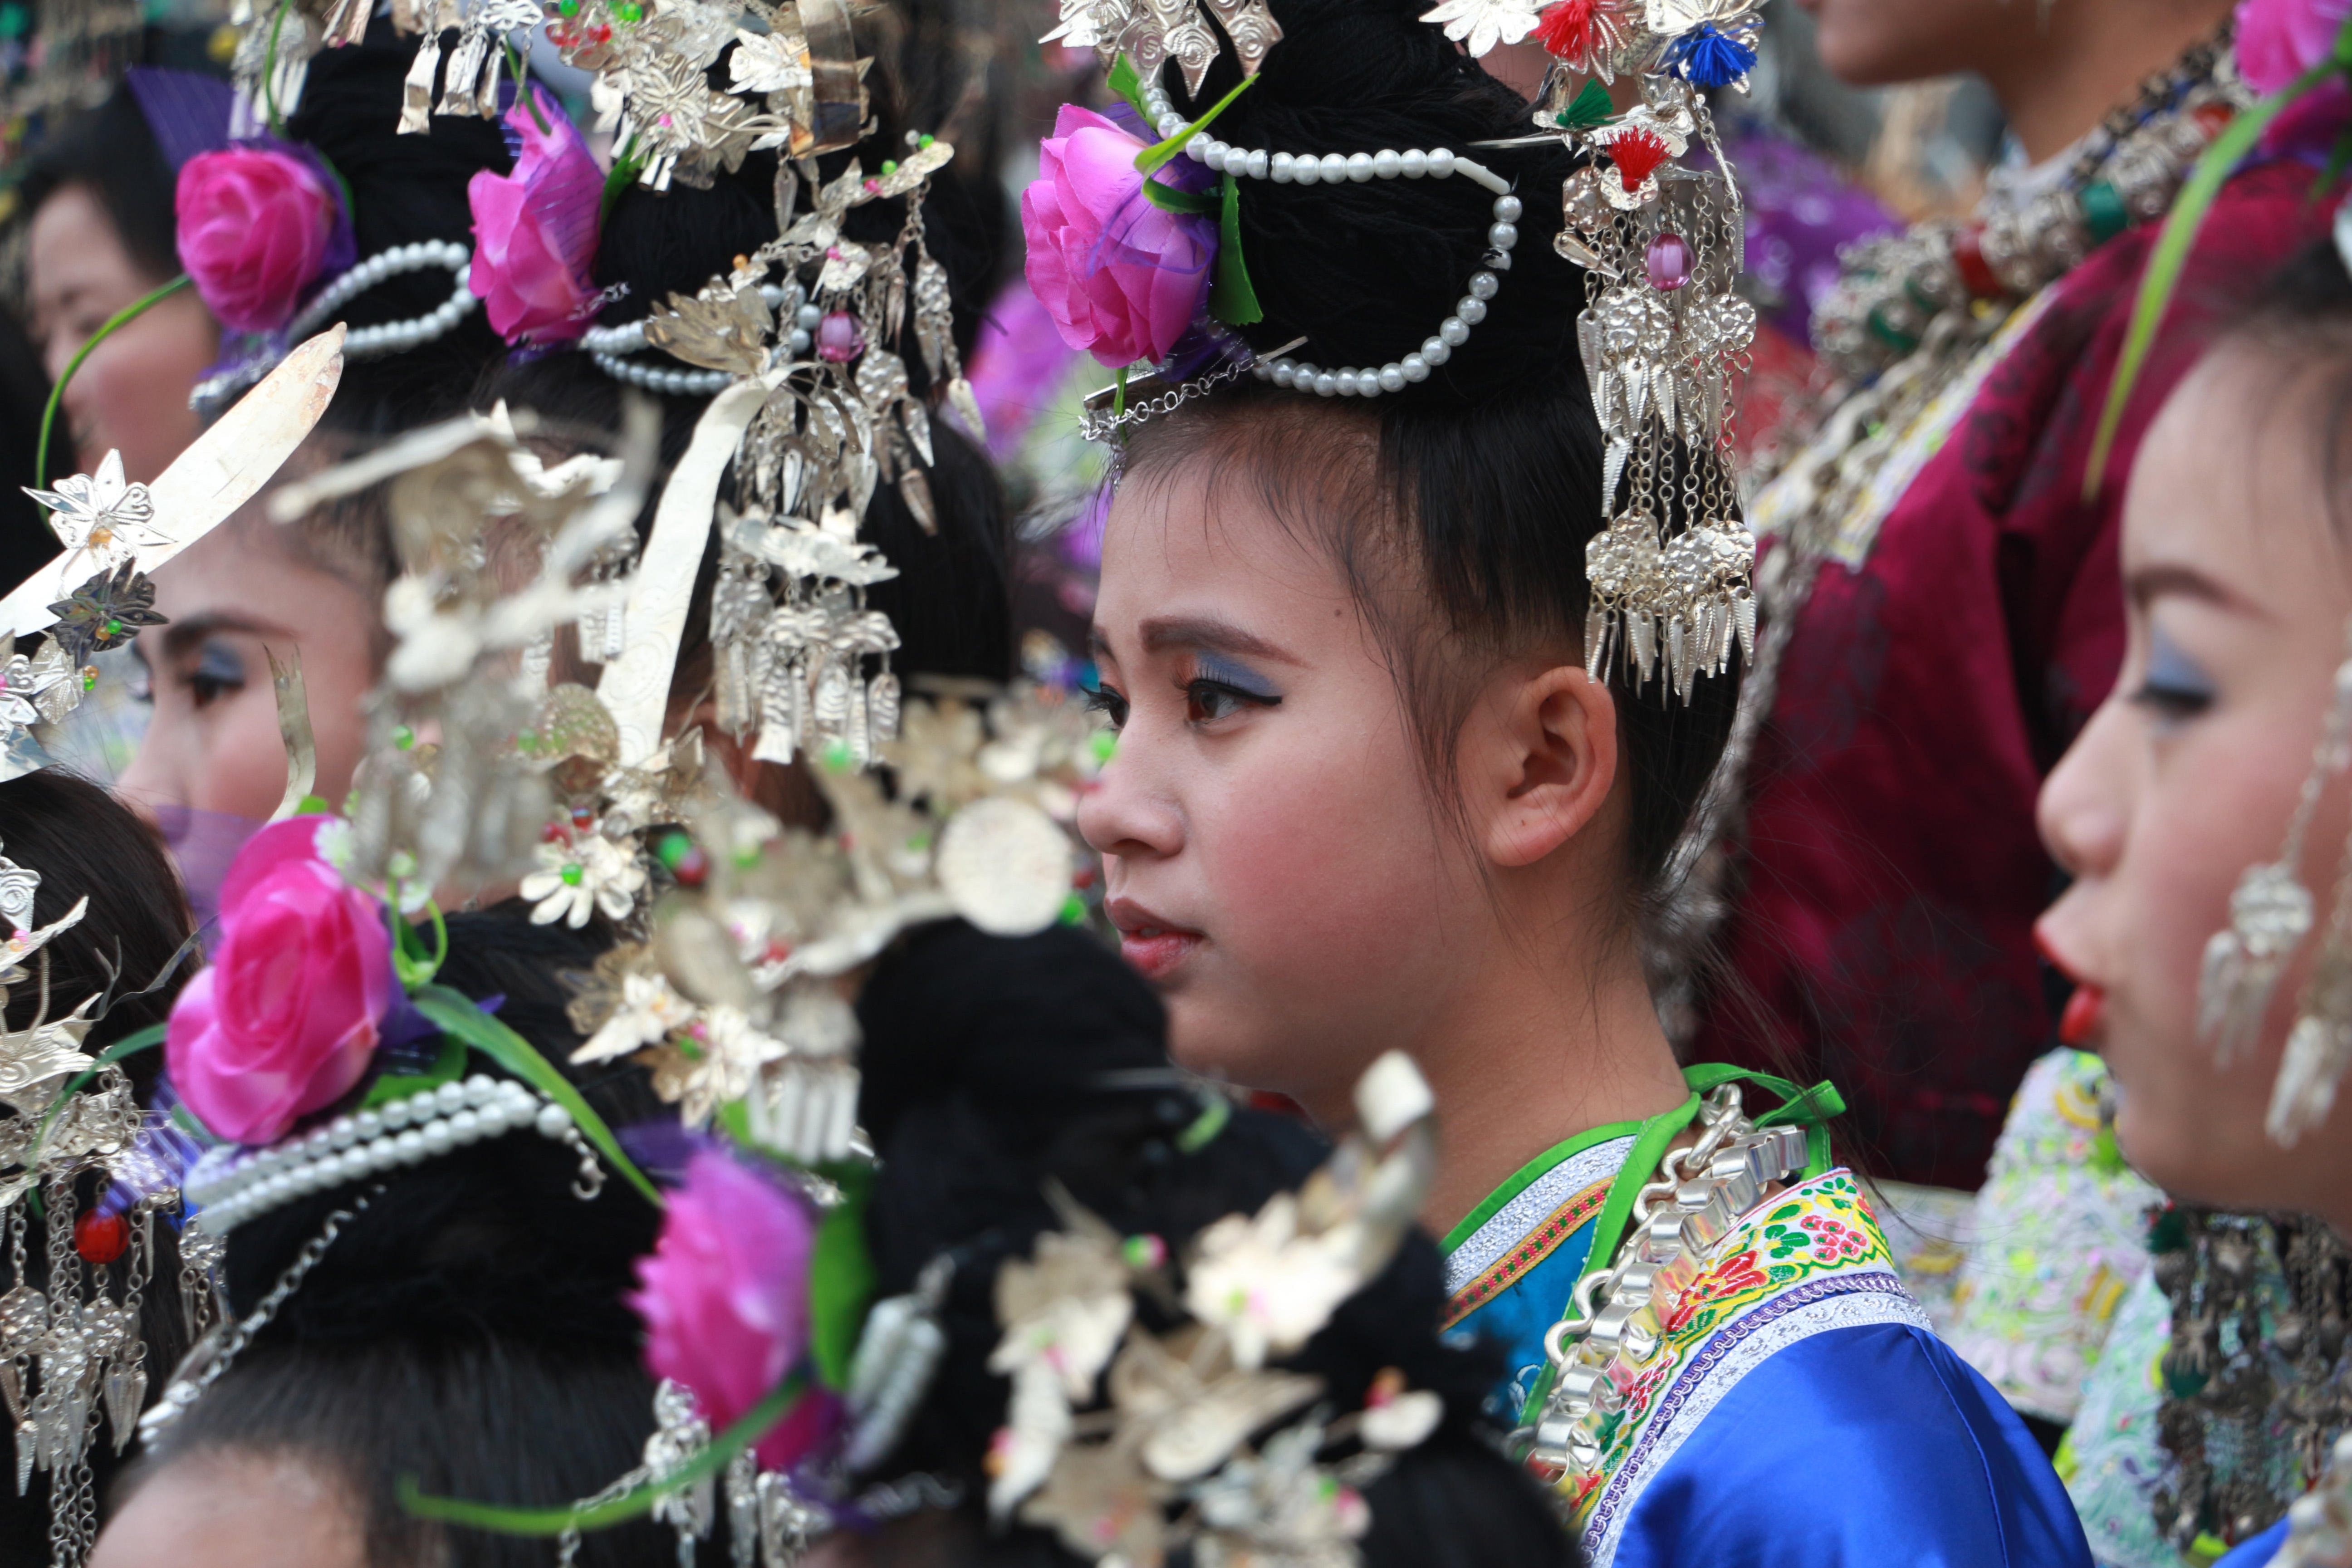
(1421,647)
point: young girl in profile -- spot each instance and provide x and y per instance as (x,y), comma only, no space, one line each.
(1367,797)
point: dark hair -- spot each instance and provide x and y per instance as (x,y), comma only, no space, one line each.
(993,1066)
(467,1328)
(85,844)
(1477,489)
(2304,314)
(404,189)
(111,151)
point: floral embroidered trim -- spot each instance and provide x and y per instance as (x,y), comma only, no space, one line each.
(1818,1229)
(1859,1299)
(1539,1243)
(1510,1224)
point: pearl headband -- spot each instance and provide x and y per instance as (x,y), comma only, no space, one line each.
(365,343)
(232,1186)
(607,345)
(1331,168)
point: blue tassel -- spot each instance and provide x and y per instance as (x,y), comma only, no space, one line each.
(1707,56)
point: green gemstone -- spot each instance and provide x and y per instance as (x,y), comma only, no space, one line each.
(629,11)
(2104,213)
(672,849)
(1894,338)
(403,737)
(1105,745)
(526,741)
(568,7)
(572,875)
(88,679)
(839,758)
(920,843)
(926,141)
(1074,910)
(889,166)
(111,629)
(747,857)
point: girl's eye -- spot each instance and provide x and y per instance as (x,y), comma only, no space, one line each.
(1103,700)
(1206,700)
(218,673)
(2176,686)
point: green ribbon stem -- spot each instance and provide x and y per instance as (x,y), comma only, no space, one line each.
(2171,256)
(1232,299)
(1151,159)
(1128,86)
(549,1521)
(454,1013)
(129,313)
(522,75)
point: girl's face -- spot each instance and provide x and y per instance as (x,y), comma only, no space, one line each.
(233,597)
(1269,857)
(131,393)
(236,1510)
(2236,596)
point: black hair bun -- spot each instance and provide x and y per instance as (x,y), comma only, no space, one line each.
(1366,272)
(487,1240)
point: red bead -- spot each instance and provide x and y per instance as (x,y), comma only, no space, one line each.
(1967,254)
(552,834)
(101,1238)
(601,33)
(691,868)
(2212,117)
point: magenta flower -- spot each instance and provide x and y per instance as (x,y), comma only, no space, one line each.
(284,1020)
(2278,40)
(1122,279)
(725,1297)
(535,232)
(255,226)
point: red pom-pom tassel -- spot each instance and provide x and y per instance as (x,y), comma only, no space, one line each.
(1638,155)
(1566,29)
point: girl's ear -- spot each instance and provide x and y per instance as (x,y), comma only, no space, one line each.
(1539,759)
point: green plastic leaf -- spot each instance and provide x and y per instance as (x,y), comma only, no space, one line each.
(1128,86)
(755,1425)
(627,164)
(1232,299)
(447,1067)
(1150,160)
(2166,262)
(841,1278)
(1590,110)
(455,1014)
(1171,198)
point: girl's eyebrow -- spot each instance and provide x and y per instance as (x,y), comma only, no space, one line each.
(1210,634)
(2160,579)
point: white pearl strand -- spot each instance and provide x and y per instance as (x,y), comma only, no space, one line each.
(365,343)
(607,345)
(1331,168)
(371,1142)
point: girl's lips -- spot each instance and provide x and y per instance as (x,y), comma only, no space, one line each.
(1156,953)
(2086,1010)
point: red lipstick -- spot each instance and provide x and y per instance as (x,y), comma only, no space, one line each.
(1157,948)
(2085,1011)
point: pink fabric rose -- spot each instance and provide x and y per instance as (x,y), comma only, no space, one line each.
(535,232)
(725,1298)
(255,228)
(283,1020)
(1122,279)
(2278,40)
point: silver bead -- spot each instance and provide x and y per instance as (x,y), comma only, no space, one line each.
(1212,157)
(1171,123)
(1393,378)
(1359,167)
(1279,168)
(1413,164)
(1435,349)
(1335,167)
(798,343)
(409,1146)
(449,1097)
(1471,308)
(1454,330)
(1387,164)
(465,1127)
(1343,383)
(1507,209)
(1415,367)
(807,316)
(1441,162)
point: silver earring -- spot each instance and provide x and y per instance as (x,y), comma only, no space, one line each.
(2271,910)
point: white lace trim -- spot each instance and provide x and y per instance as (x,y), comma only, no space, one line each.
(1510,1224)
(1867,1299)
